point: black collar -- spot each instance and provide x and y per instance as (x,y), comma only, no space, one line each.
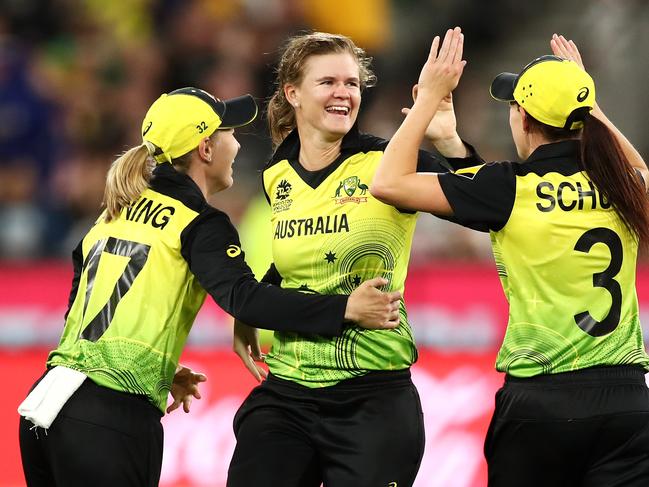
(563,149)
(560,157)
(289,150)
(168,181)
(290,146)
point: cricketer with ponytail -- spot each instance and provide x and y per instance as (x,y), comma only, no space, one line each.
(565,223)
(141,274)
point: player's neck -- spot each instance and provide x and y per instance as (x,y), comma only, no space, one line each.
(198,176)
(317,153)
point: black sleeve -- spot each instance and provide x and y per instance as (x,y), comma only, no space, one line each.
(431,162)
(272,276)
(211,247)
(482,198)
(472,159)
(77,265)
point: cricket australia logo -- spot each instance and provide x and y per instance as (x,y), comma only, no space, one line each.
(282,201)
(350,186)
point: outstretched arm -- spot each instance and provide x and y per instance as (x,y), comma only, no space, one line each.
(224,274)
(396,180)
(567,49)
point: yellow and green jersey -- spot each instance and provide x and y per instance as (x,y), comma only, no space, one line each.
(328,235)
(134,301)
(565,259)
(140,280)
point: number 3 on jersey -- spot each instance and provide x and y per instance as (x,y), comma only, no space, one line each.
(605,279)
(138,254)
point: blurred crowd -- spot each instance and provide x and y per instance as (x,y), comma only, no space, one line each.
(76,77)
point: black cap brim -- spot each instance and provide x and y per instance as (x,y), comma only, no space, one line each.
(237,112)
(502,87)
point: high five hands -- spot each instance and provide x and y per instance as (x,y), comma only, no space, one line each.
(442,129)
(442,71)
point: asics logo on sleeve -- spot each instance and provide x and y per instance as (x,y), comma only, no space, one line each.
(233,251)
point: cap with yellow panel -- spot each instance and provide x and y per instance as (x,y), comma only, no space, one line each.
(178,121)
(553,90)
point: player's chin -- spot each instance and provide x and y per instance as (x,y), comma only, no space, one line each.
(227,182)
(339,126)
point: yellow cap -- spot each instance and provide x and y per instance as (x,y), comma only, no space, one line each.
(554,91)
(178,121)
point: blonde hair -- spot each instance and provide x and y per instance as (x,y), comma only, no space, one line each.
(290,70)
(127,178)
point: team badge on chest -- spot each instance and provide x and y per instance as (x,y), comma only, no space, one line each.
(351,186)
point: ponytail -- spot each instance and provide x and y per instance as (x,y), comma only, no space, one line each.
(127,178)
(603,160)
(609,169)
(281,117)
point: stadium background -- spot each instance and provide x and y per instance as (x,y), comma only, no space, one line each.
(76,77)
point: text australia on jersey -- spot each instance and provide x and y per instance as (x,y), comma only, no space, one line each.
(321,224)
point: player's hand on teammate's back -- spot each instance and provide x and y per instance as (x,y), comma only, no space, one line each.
(184,388)
(245,343)
(373,309)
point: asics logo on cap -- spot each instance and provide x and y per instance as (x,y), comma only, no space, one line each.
(583,94)
(148,127)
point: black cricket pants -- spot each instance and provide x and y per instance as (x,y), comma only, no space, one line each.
(101,437)
(366,431)
(587,428)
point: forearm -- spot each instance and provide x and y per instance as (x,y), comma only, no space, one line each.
(452,147)
(230,281)
(400,157)
(396,181)
(271,307)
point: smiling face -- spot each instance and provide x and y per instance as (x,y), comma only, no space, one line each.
(329,96)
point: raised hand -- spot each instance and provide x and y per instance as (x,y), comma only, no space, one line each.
(442,71)
(373,309)
(245,343)
(443,126)
(184,388)
(566,49)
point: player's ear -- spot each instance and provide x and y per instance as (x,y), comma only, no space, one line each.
(206,148)
(524,119)
(291,94)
